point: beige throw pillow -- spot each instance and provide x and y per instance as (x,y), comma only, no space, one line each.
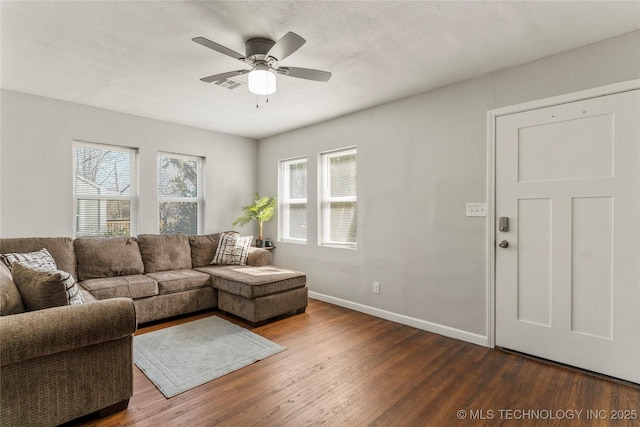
(232,250)
(41,259)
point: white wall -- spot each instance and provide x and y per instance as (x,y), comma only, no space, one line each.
(36,163)
(420,160)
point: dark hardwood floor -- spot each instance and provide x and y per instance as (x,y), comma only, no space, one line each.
(345,368)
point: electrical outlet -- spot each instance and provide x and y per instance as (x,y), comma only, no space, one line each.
(476,209)
(376,287)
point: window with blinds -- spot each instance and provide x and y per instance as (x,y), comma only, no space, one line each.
(292,198)
(179,193)
(105,194)
(338,198)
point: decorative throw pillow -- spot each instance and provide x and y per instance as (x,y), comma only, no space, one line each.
(10,299)
(232,250)
(41,259)
(43,289)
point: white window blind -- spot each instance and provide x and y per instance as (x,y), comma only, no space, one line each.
(293,200)
(179,193)
(339,201)
(105,194)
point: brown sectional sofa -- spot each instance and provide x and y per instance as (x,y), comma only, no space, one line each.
(156,271)
(60,363)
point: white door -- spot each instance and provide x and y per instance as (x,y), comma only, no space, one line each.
(568,283)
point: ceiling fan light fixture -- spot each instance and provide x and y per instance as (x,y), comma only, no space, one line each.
(262,80)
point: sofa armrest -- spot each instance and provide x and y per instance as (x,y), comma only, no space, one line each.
(258,257)
(38,333)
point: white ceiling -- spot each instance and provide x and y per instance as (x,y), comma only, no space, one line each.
(137,57)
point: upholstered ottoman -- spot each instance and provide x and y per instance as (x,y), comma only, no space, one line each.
(260,293)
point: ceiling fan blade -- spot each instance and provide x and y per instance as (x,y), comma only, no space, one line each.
(284,47)
(305,73)
(218,47)
(223,76)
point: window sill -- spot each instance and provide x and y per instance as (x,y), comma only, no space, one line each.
(338,246)
(295,242)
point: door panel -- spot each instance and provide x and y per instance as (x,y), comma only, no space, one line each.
(591,266)
(542,156)
(568,284)
(534,261)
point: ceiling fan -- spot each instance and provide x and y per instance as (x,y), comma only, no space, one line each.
(264,56)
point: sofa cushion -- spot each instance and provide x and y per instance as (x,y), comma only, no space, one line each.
(164,252)
(100,257)
(86,295)
(60,248)
(43,289)
(232,250)
(134,286)
(10,299)
(253,282)
(180,280)
(203,249)
(41,259)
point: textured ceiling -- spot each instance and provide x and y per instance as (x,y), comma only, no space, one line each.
(137,57)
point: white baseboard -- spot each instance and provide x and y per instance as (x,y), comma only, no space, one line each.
(405,320)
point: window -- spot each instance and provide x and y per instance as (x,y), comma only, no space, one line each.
(179,193)
(293,200)
(338,198)
(105,195)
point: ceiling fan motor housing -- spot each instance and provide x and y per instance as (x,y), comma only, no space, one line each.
(257,48)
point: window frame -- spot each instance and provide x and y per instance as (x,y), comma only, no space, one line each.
(133,197)
(325,199)
(199,199)
(284,201)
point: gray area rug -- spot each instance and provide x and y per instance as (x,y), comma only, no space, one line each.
(185,356)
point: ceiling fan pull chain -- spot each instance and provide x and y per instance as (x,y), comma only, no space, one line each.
(257,101)
(268,91)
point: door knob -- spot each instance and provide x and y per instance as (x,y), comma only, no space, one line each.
(503,244)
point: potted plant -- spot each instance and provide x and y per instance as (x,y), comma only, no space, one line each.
(261,210)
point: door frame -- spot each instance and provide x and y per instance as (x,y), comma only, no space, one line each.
(492,116)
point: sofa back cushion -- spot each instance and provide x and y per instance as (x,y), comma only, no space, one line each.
(60,248)
(10,299)
(203,249)
(164,252)
(100,257)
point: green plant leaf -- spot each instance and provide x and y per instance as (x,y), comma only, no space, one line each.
(261,210)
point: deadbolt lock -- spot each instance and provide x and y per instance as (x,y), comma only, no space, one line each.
(503,224)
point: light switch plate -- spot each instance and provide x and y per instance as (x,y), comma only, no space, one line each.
(476,209)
